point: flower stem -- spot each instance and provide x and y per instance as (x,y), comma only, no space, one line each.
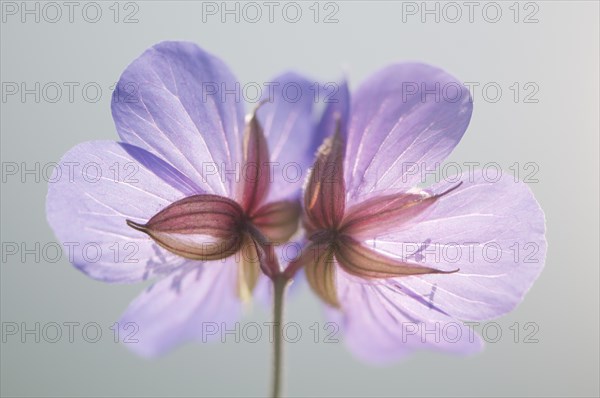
(280,283)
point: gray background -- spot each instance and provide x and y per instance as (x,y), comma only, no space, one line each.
(559,53)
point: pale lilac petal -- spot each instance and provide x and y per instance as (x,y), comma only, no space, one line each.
(287,121)
(337,101)
(100,186)
(164,170)
(196,302)
(492,231)
(172,102)
(263,292)
(405,115)
(381,323)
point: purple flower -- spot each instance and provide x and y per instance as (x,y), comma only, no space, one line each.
(383,251)
(191,194)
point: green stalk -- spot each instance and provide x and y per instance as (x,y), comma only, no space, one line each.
(280,283)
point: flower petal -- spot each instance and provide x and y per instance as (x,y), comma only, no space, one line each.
(198,227)
(194,303)
(336,112)
(405,118)
(492,231)
(100,186)
(381,323)
(289,128)
(171,101)
(162,169)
